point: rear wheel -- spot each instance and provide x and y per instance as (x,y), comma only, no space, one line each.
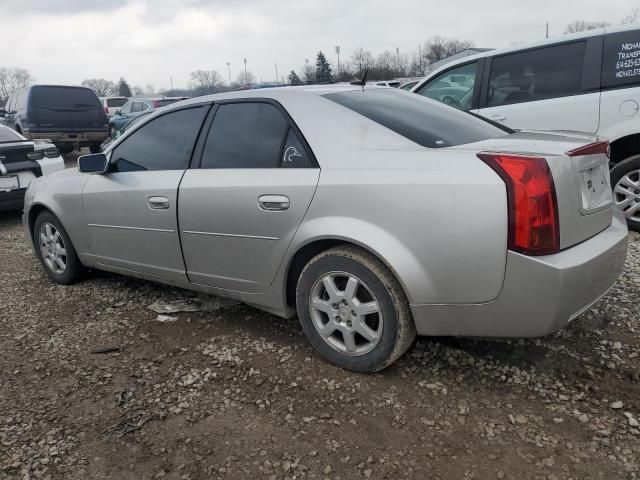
(625,178)
(353,310)
(55,250)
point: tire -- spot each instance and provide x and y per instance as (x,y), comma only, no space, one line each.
(95,148)
(65,148)
(392,325)
(625,179)
(47,224)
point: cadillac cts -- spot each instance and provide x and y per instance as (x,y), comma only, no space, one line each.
(373,214)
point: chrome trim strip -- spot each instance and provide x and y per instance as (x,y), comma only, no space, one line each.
(234,235)
(120,227)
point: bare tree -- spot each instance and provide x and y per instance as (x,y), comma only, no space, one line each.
(436,48)
(362,60)
(244,80)
(102,87)
(308,72)
(633,17)
(205,81)
(583,26)
(137,91)
(12,79)
(385,65)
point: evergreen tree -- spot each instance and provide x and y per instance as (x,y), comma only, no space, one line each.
(123,88)
(294,79)
(323,69)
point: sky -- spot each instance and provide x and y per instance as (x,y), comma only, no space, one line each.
(154,41)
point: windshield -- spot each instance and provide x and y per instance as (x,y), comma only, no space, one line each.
(64,98)
(423,121)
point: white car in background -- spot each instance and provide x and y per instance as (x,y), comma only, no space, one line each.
(21,162)
(112,104)
(587,82)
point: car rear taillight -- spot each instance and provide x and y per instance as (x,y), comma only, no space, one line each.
(106,109)
(532,205)
(595,148)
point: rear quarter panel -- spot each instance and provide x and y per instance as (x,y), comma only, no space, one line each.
(437,218)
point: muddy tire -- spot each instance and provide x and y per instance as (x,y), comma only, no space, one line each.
(353,310)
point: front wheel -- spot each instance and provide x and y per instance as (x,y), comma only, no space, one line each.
(625,178)
(353,310)
(55,250)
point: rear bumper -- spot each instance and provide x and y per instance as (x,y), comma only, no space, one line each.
(540,294)
(12,199)
(82,138)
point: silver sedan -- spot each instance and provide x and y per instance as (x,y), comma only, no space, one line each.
(371,213)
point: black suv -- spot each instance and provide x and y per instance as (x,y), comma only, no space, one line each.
(71,117)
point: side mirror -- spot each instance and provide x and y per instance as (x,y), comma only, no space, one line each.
(94,163)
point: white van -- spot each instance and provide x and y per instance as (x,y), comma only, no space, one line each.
(588,82)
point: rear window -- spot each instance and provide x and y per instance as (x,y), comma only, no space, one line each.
(64,98)
(423,121)
(116,102)
(621,59)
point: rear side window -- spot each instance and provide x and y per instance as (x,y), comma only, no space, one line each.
(245,135)
(164,143)
(425,122)
(621,59)
(116,102)
(532,75)
(137,107)
(64,98)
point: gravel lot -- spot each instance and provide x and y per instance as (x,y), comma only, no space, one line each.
(237,393)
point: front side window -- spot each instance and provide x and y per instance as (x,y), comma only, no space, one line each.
(165,143)
(137,107)
(421,120)
(533,75)
(126,109)
(621,59)
(245,135)
(453,87)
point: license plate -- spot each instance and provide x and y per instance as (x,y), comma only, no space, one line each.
(9,182)
(595,187)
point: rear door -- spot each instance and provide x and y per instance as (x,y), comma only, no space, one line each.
(549,88)
(67,109)
(131,211)
(239,210)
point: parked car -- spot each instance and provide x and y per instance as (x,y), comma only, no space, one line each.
(69,117)
(425,219)
(390,83)
(135,107)
(587,82)
(408,85)
(21,161)
(132,121)
(112,104)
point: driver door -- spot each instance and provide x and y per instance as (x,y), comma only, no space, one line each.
(131,211)
(455,87)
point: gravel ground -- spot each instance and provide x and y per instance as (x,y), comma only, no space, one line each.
(238,393)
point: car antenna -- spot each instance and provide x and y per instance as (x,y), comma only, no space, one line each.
(362,82)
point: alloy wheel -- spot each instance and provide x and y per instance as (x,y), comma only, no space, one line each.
(346,313)
(52,248)
(626,194)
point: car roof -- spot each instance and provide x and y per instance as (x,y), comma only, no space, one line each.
(533,44)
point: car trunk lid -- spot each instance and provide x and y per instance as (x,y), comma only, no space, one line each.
(581,178)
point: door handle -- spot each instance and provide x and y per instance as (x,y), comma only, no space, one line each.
(273,203)
(498,118)
(158,203)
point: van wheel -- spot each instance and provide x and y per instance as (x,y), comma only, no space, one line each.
(55,250)
(625,178)
(353,310)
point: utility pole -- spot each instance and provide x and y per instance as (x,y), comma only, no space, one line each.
(420,57)
(276,64)
(229,70)
(338,53)
(171,81)
(397,59)
(245,72)
(547,30)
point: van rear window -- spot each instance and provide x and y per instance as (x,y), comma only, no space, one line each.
(421,120)
(116,102)
(64,98)
(621,59)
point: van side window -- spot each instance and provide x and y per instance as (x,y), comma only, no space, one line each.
(453,87)
(621,59)
(539,74)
